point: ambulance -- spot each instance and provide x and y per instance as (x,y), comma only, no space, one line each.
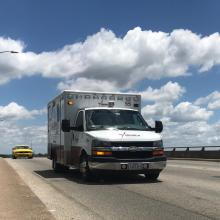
(103,132)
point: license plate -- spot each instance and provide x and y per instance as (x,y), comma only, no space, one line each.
(137,166)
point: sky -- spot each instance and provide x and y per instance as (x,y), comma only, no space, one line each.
(168,51)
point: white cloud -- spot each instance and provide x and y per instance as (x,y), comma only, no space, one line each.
(185,123)
(12,134)
(13,111)
(120,61)
(163,106)
(195,133)
(84,84)
(186,111)
(214,105)
(157,110)
(8,44)
(105,62)
(168,93)
(212,100)
(183,112)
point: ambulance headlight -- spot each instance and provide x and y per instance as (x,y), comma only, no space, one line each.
(98,143)
(158,144)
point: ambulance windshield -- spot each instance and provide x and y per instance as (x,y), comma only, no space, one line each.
(98,119)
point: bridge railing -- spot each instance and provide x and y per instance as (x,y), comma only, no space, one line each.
(205,152)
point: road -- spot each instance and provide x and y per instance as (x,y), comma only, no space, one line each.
(184,190)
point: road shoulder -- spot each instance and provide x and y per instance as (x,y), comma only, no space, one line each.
(17,201)
(61,205)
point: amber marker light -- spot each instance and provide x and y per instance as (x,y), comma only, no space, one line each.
(102,153)
(70,102)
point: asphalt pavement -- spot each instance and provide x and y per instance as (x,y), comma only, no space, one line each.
(185,190)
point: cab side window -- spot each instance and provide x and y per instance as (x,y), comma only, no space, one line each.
(79,122)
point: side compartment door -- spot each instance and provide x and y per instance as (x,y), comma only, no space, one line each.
(62,134)
(58,133)
(56,130)
(49,129)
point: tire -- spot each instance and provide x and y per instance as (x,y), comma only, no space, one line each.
(152,175)
(85,172)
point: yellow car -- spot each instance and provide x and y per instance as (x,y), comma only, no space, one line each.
(22,151)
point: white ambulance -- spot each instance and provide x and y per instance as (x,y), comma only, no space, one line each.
(96,131)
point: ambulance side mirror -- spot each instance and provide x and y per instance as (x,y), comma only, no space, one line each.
(158,126)
(65,125)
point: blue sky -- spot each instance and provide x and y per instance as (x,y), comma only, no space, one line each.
(31,78)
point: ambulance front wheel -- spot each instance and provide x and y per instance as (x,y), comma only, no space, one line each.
(152,175)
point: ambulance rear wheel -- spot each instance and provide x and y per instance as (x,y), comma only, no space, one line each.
(84,168)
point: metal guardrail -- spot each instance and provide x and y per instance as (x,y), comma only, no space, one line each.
(202,148)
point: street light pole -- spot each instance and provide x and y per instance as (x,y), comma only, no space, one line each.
(9,51)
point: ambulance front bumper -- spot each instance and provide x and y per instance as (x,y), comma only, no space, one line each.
(128,165)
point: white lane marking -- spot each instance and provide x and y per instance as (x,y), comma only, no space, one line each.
(194,167)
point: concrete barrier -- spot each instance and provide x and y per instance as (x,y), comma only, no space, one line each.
(210,152)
